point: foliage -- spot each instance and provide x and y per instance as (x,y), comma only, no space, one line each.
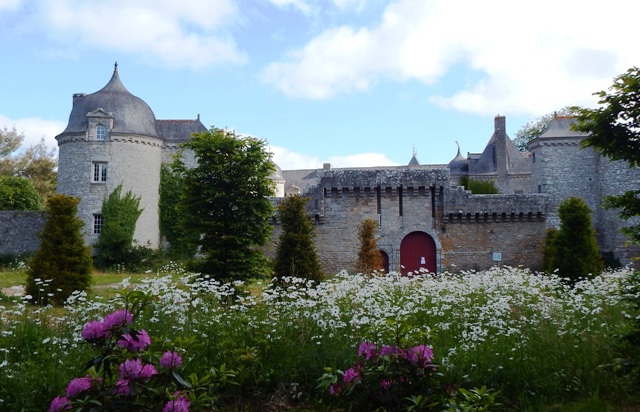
(17,193)
(473,400)
(384,378)
(629,362)
(296,252)
(119,214)
(130,372)
(369,257)
(613,131)
(227,201)
(493,328)
(479,187)
(574,249)
(173,216)
(63,263)
(37,163)
(536,127)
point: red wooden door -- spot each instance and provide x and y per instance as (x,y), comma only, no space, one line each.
(417,250)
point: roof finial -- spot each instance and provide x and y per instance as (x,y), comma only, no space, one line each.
(458,144)
(414,151)
(115,67)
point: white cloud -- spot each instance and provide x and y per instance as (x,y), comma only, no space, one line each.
(300,5)
(9,4)
(526,58)
(35,129)
(165,30)
(288,160)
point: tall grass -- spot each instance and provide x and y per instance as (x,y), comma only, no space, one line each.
(529,335)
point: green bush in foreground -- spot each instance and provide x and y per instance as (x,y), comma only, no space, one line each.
(63,263)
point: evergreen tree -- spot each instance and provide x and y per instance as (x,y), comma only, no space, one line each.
(63,263)
(369,257)
(573,248)
(226,197)
(119,215)
(296,253)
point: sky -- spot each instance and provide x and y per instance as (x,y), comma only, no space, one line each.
(347,82)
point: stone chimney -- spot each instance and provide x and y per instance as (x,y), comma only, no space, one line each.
(500,136)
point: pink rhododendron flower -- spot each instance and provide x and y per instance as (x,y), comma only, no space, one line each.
(170,360)
(385,384)
(77,386)
(118,318)
(135,341)
(421,355)
(367,349)
(180,404)
(350,374)
(134,369)
(95,331)
(59,404)
(335,389)
(122,387)
(388,350)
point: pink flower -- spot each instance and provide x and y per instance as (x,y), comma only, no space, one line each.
(59,404)
(335,389)
(421,355)
(180,404)
(350,374)
(170,360)
(388,350)
(122,388)
(95,331)
(118,318)
(385,384)
(77,386)
(132,369)
(367,349)
(135,341)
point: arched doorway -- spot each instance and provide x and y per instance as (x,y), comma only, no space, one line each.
(417,250)
(385,260)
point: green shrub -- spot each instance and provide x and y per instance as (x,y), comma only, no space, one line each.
(479,187)
(573,250)
(63,263)
(296,253)
(119,214)
(18,193)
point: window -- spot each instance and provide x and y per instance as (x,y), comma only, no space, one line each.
(97,224)
(100,172)
(101,132)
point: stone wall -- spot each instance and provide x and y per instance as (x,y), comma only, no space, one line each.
(19,231)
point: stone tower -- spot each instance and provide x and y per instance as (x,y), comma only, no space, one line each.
(111,139)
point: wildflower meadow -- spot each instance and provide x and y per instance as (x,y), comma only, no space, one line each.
(175,341)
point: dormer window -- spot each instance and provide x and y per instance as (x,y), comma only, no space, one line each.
(101,132)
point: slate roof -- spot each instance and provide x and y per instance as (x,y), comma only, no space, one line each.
(179,131)
(131,114)
(560,126)
(487,163)
(459,165)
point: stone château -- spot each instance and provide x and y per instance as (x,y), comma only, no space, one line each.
(426,219)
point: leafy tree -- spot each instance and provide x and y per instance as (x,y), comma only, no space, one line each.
(479,187)
(226,197)
(17,193)
(63,263)
(369,257)
(119,215)
(37,163)
(173,216)
(538,126)
(614,131)
(296,253)
(573,248)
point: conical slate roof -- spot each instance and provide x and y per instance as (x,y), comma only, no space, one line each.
(560,126)
(459,164)
(131,114)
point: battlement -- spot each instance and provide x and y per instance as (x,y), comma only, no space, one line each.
(387,177)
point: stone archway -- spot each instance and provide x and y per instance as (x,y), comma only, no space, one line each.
(385,260)
(417,250)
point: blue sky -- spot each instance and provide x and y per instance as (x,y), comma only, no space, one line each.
(350,82)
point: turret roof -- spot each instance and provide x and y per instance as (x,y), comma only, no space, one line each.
(131,114)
